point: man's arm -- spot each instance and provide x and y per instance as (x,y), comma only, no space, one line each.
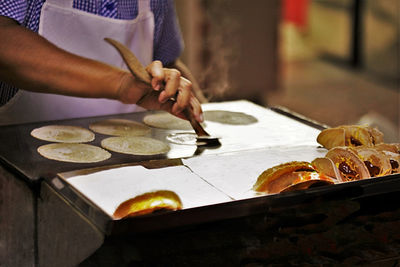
(30,62)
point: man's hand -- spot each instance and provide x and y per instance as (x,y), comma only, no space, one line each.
(169,91)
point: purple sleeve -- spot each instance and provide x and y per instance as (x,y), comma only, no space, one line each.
(15,9)
(168,43)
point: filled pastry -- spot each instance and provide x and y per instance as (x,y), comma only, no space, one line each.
(350,135)
(290,176)
(393,153)
(350,166)
(377,162)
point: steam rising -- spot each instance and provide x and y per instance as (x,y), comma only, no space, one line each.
(219,48)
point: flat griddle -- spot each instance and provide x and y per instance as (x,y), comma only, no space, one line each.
(18,152)
(18,148)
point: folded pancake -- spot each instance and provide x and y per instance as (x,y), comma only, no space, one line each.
(394,160)
(148,203)
(332,137)
(327,167)
(398,147)
(119,127)
(350,135)
(350,166)
(63,134)
(387,147)
(393,153)
(290,176)
(377,163)
(376,135)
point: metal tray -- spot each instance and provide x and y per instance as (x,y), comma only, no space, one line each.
(269,205)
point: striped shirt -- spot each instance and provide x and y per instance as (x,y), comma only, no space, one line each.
(168,42)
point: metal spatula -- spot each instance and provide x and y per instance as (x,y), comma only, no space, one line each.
(137,69)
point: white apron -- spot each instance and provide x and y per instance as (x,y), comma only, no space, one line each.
(83,34)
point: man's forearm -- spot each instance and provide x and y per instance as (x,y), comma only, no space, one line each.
(30,62)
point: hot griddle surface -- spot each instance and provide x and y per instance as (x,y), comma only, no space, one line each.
(18,148)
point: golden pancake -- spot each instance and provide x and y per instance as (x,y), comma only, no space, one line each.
(135,145)
(77,153)
(119,127)
(166,120)
(148,203)
(229,117)
(290,176)
(63,134)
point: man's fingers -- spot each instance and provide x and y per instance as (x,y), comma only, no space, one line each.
(156,70)
(196,107)
(177,93)
(183,96)
(172,84)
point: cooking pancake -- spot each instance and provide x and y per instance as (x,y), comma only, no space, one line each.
(229,117)
(135,145)
(63,134)
(77,153)
(148,203)
(119,127)
(165,120)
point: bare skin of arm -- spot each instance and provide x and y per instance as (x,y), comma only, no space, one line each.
(30,62)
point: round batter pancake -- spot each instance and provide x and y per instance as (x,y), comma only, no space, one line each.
(135,145)
(183,138)
(166,121)
(229,117)
(78,153)
(63,134)
(119,127)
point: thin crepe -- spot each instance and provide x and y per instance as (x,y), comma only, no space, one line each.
(229,117)
(119,127)
(135,145)
(63,134)
(77,153)
(164,120)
